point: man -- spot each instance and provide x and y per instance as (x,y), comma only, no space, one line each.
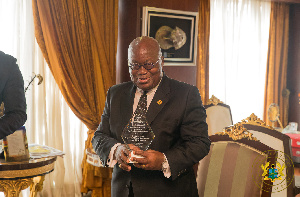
(177,117)
(12,95)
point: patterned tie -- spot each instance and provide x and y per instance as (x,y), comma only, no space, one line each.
(141,108)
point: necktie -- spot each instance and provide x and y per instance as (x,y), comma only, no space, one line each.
(141,108)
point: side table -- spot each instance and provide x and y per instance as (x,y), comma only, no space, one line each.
(16,176)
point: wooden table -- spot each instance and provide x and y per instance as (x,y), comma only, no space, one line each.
(16,176)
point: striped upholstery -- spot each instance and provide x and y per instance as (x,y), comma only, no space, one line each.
(231,169)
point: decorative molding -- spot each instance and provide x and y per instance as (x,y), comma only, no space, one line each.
(12,188)
(254,120)
(27,172)
(36,185)
(237,132)
(213,100)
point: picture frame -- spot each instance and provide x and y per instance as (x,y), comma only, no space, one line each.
(15,146)
(176,31)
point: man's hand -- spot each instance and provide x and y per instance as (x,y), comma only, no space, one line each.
(152,160)
(122,155)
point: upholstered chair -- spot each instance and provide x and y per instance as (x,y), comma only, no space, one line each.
(235,165)
(218,115)
(280,142)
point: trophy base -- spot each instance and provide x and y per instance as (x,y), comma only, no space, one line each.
(133,155)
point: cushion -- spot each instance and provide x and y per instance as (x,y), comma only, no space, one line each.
(218,117)
(231,169)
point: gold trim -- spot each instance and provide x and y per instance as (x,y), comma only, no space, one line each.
(237,132)
(254,120)
(27,172)
(36,185)
(214,100)
(1,109)
(12,188)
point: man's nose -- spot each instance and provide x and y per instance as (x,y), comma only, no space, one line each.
(142,70)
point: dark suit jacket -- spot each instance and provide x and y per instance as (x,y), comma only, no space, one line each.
(12,94)
(180,132)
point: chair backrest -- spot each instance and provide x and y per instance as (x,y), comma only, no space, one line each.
(218,115)
(234,164)
(280,142)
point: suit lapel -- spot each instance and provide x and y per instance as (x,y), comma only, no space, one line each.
(126,104)
(159,100)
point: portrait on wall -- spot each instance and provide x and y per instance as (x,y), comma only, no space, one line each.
(175,31)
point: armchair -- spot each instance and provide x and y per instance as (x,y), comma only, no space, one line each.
(280,142)
(235,165)
(218,115)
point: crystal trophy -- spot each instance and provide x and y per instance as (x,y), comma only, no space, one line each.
(138,132)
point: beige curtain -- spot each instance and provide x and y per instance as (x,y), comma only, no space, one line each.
(78,40)
(277,61)
(203,50)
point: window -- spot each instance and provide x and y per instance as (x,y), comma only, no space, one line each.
(239,32)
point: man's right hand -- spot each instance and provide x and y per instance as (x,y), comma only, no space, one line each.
(122,155)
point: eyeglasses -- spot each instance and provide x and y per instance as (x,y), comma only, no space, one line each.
(147,66)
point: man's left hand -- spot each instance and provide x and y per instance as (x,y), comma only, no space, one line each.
(152,160)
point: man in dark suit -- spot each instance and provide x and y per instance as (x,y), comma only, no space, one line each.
(12,95)
(177,118)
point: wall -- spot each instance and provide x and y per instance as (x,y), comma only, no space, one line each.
(293,75)
(130,22)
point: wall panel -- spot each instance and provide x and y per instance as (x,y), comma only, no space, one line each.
(293,75)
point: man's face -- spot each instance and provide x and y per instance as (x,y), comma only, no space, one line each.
(141,54)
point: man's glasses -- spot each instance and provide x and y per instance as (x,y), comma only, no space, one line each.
(147,66)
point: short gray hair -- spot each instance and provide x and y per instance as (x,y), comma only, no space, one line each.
(142,39)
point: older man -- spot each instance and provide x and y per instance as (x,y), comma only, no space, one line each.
(12,95)
(177,117)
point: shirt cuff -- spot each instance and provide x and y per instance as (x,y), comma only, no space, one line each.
(166,168)
(110,161)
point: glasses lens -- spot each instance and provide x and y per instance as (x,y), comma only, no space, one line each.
(148,66)
(134,66)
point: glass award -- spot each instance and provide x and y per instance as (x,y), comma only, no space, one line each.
(138,132)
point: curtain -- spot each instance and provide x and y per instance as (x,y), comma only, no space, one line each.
(276,74)
(78,41)
(49,119)
(203,50)
(239,31)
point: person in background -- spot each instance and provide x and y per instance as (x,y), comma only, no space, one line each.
(12,95)
(177,117)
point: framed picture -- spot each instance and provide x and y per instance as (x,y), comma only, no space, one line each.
(15,146)
(176,31)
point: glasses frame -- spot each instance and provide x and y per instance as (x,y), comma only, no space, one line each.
(131,65)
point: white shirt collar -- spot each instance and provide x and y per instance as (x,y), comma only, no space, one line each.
(151,90)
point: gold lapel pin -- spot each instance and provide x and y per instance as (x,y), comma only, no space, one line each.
(159,102)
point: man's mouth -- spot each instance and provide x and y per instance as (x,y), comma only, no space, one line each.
(143,79)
